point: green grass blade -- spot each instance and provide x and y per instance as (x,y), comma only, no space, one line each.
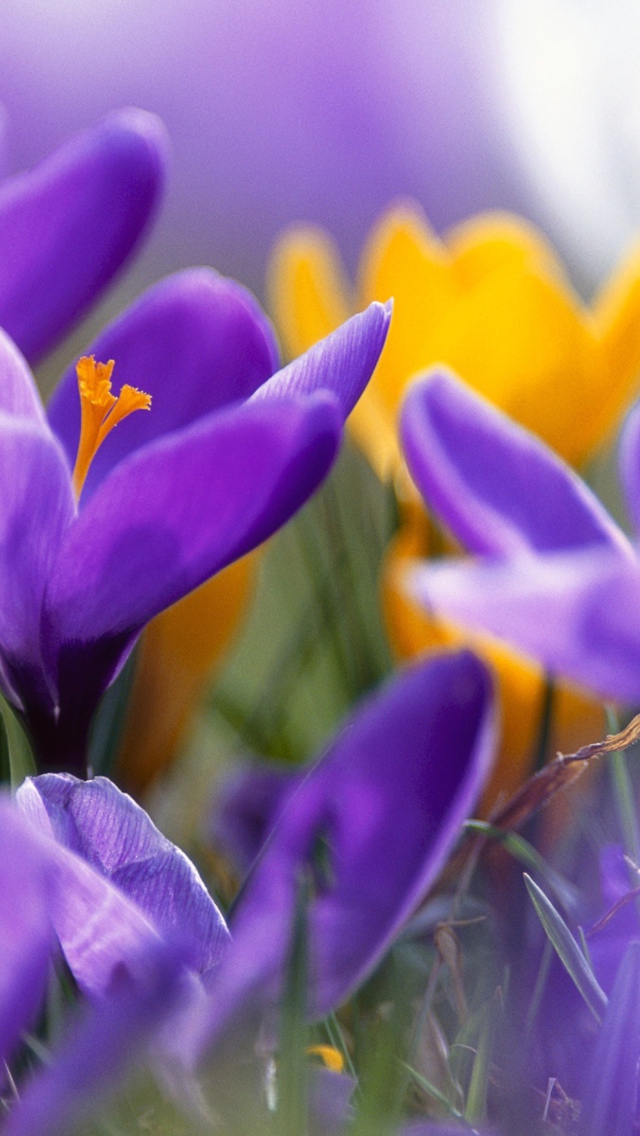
(567,949)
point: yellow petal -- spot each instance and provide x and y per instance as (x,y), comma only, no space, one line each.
(519,339)
(308,291)
(520,683)
(179,649)
(616,317)
(405,260)
(489,241)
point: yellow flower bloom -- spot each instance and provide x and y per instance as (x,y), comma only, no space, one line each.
(179,650)
(491,302)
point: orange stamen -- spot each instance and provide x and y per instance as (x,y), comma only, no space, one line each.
(101,411)
(329,1056)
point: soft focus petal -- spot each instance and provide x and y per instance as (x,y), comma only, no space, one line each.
(117,838)
(521,691)
(68,225)
(629,465)
(578,614)
(342,363)
(497,487)
(18,392)
(26,934)
(247,807)
(386,804)
(194,342)
(37,508)
(309,291)
(176,656)
(101,1045)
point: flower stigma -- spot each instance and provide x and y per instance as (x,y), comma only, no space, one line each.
(101,411)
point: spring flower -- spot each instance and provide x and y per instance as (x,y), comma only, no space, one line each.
(374,821)
(172,494)
(134,977)
(68,225)
(557,577)
(492,301)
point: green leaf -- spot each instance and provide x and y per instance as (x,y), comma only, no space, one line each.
(567,949)
(476,1106)
(17,754)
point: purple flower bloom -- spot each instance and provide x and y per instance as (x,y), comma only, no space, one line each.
(373,821)
(134,976)
(559,579)
(68,225)
(173,495)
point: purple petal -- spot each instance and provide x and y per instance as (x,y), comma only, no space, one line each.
(247,808)
(18,391)
(68,225)
(100,1046)
(578,614)
(342,363)
(386,803)
(117,838)
(497,487)
(27,941)
(194,342)
(182,508)
(37,508)
(629,463)
(102,933)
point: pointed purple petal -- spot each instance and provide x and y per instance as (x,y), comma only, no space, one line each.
(497,487)
(68,225)
(387,802)
(578,614)
(182,508)
(117,838)
(342,363)
(27,941)
(100,1046)
(18,391)
(194,342)
(37,508)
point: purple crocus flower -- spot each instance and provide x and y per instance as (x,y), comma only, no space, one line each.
(133,975)
(373,821)
(69,224)
(557,577)
(226,455)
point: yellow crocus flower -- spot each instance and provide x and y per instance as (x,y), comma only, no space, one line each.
(492,302)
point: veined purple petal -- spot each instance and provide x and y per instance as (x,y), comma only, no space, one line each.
(182,508)
(194,342)
(102,933)
(27,940)
(100,1045)
(377,816)
(342,363)
(68,225)
(576,613)
(497,487)
(117,838)
(37,508)
(629,464)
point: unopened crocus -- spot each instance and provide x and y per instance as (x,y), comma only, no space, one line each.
(373,823)
(557,576)
(103,528)
(490,299)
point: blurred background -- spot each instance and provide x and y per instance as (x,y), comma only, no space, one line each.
(321,111)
